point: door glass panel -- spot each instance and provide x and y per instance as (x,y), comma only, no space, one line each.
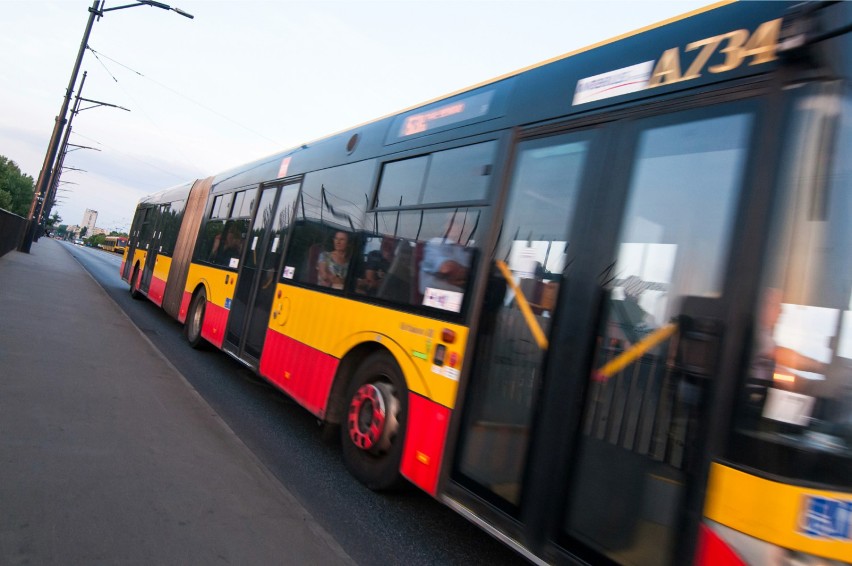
(279,222)
(628,480)
(794,413)
(527,268)
(253,258)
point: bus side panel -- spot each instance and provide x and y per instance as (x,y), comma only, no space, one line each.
(784,515)
(215,322)
(184,306)
(424,442)
(304,373)
(138,258)
(219,285)
(158,281)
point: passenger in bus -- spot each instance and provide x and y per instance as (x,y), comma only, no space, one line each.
(376,265)
(446,261)
(227,246)
(332,266)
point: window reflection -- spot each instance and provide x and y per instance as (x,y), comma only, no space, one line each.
(419,257)
(796,400)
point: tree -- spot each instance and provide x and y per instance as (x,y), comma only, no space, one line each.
(16,188)
(83,231)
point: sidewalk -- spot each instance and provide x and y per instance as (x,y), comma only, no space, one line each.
(108,456)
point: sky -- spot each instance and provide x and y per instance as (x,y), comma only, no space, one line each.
(245,79)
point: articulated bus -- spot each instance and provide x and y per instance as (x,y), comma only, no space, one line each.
(115,244)
(602,307)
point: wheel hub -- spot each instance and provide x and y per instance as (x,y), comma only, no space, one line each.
(372,417)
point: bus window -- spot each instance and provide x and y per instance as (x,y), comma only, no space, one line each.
(170,226)
(224,235)
(454,175)
(794,418)
(329,212)
(419,257)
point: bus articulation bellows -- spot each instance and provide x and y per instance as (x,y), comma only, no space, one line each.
(601,307)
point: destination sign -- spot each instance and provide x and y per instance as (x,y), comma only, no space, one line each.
(448,114)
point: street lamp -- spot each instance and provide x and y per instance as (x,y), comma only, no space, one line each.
(97,10)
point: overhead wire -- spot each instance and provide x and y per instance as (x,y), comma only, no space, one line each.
(197,103)
(140,106)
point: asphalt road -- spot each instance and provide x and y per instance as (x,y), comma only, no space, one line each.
(403,528)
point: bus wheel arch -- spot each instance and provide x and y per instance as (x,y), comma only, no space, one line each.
(134,282)
(374,421)
(195,318)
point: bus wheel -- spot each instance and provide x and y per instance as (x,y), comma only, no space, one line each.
(134,290)
(194,319)
(373,432)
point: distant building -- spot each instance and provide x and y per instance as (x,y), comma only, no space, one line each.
(90,219)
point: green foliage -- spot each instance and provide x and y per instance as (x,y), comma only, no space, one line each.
(96,240)
(54,220)
(62,230)
(16,188)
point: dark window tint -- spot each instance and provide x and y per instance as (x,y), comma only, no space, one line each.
(455,175)
(170,226)
(402,182)
(459,174)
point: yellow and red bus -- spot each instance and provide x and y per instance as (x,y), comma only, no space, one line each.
(602,307)
(115,244)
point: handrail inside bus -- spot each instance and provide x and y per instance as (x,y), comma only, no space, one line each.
(635,352)
(524,305)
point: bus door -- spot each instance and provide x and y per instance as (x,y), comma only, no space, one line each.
(252,302)
(526,271)
(599,332)
(633,477)
(156,216)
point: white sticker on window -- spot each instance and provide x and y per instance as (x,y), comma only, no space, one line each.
(254,244)
(444,300)
(275,244)
(234,263)
(289,272)
(788,407)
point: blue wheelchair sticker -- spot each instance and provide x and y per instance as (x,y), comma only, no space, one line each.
(228,304)
(826,518)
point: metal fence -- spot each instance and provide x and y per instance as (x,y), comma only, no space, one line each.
(12,229)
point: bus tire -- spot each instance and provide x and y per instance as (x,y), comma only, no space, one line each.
(373,430)
(195,319)
(134,290)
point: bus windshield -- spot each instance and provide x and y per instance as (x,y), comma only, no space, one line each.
(794,416)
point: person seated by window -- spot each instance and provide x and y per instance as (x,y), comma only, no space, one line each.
(227,245)
(446,261)
(332,266)
(376,265)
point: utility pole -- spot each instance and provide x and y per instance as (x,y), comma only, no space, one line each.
(43,183)
(63,150)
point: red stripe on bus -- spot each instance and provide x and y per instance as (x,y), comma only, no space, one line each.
(215,321)
(184,306)
(304,373)
(713,551)
(156,291)
(424,442)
